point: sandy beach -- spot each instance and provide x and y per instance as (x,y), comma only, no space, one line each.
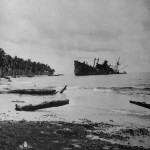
(51,129)
(74,74)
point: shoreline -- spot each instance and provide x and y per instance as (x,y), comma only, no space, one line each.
(51,129)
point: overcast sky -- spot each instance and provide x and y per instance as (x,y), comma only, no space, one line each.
(57,32)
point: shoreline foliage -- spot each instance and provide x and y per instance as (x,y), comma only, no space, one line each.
(15,66)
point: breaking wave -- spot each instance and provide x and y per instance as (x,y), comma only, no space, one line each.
(123,90)
(132,90)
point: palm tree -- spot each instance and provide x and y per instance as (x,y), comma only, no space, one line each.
(18,66)
(2,62)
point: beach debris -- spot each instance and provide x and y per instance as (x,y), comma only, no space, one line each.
(143,104)
(17,101)
(34,91)
(25,145)
(43,105)
(63,89)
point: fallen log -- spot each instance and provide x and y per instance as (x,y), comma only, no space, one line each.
(143,104)
(34,91)
(42,105)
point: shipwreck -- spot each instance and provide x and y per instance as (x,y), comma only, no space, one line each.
(83,68)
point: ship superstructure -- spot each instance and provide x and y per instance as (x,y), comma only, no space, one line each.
(83,68)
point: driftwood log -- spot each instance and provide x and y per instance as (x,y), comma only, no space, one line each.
(34,91)
(143,104)
(42,105)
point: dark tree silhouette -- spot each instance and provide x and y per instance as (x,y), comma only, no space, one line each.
(15,66)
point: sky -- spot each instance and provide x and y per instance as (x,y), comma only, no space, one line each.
(57,32)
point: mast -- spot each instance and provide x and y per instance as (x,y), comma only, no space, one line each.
(117,65)
(94,62)
(123,67)
(97,60)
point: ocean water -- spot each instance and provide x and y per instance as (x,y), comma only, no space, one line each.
(97,98)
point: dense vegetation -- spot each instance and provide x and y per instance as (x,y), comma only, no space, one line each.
(14,66)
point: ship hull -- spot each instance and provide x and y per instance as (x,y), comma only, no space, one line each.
(82,69)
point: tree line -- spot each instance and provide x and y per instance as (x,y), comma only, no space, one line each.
(15,66)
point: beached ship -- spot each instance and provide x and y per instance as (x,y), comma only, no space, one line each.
(83,68)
